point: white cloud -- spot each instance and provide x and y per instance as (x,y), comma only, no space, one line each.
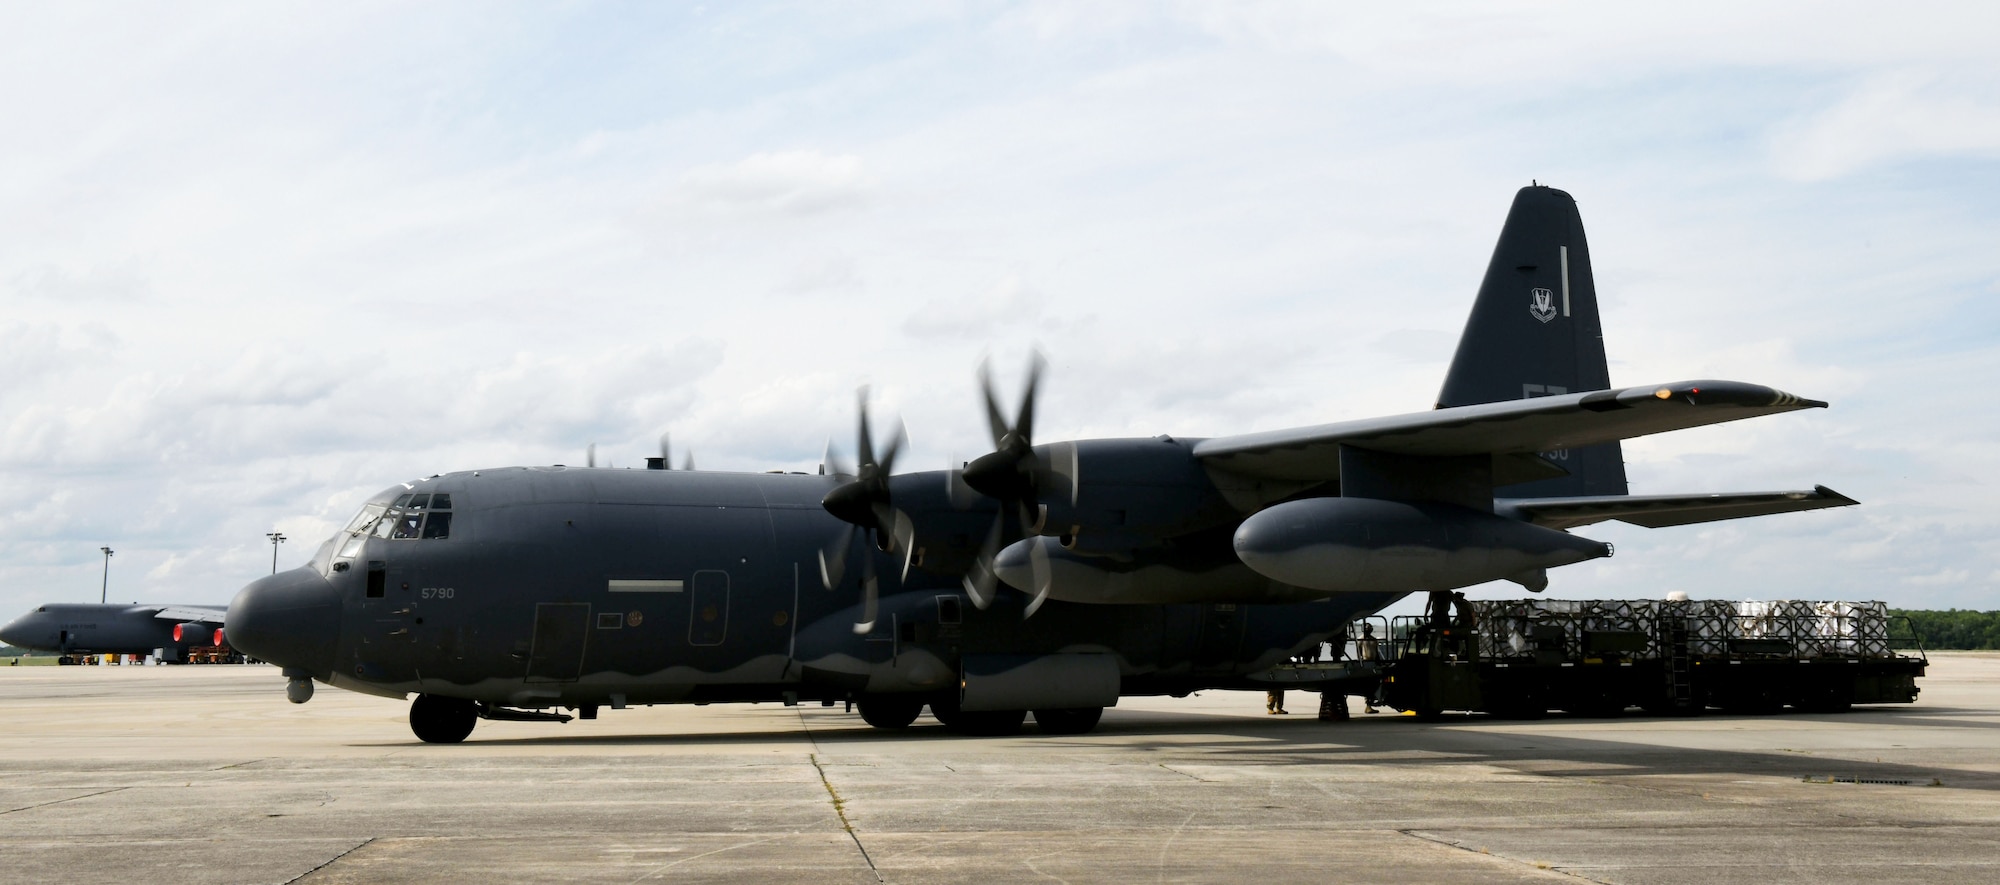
(1892,117)
(786,182)
(262,263)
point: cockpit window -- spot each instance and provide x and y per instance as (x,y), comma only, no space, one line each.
(408,525)
(365,518)
(438,524)
(408,518)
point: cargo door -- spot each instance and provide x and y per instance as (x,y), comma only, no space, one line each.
(1221,637)
(708,607)
(561,629)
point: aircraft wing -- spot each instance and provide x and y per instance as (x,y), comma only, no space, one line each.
(1522,426)
(193,614)
(1660,511)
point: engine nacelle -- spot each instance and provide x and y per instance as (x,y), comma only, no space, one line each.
(195,633)
(1371,545)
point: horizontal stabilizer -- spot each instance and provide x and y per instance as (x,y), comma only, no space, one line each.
(1541,424)
(1660,511)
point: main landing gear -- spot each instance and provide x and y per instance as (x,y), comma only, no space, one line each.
(442,720)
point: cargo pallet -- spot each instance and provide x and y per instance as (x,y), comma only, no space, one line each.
(1524,658)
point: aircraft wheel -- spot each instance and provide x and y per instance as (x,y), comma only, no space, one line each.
(945,711)
(890,711)
(442,720)
(1074,720)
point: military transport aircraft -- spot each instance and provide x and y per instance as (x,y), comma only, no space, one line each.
(113,629)
(1131,566)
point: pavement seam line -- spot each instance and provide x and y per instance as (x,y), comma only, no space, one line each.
(1547,868)
(330,861)
(840,809)
(61,801)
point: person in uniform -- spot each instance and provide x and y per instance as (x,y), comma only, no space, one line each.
(1368,649)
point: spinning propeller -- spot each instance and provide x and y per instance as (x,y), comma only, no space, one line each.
(1015,475)
(863,503)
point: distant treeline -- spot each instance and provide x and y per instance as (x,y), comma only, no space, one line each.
(1954,629)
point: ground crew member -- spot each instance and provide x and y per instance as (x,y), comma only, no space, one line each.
(1368,649)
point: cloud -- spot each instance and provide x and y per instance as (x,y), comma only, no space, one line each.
(787,183)
(114,282)
(1010,302)
(1890,118)
(259,266)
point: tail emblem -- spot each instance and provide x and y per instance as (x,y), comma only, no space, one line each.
(1544,306)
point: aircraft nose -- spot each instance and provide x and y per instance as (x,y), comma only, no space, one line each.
(291,619)
(17,632)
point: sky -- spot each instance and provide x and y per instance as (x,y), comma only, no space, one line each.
(260,260)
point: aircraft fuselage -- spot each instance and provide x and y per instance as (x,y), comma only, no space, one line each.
(582,587)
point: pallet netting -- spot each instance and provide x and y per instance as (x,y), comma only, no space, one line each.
(1510,628)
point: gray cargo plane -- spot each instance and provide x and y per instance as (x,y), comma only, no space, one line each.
(1131,566)
(113,629)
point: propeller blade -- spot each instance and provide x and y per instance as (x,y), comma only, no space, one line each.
(896,444)
(981,583)
(1024,422)
(996,423)
(832,462)
(866,447)
(687,463)
(1038,559)
(666,453)
(832,569)
(590,456)
(869,593)
(906,541)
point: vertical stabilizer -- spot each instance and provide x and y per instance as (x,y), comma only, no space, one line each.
(1534,331)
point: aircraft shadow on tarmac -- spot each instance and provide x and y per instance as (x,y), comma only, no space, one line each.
(1460,740)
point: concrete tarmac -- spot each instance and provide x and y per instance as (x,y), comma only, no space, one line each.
(206,775)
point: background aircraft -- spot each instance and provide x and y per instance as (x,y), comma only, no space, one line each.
(113,629)
(1137,566)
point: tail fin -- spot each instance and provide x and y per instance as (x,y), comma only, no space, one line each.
(1534,332)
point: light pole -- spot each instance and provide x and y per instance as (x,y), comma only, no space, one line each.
(276,539)
(105,589)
